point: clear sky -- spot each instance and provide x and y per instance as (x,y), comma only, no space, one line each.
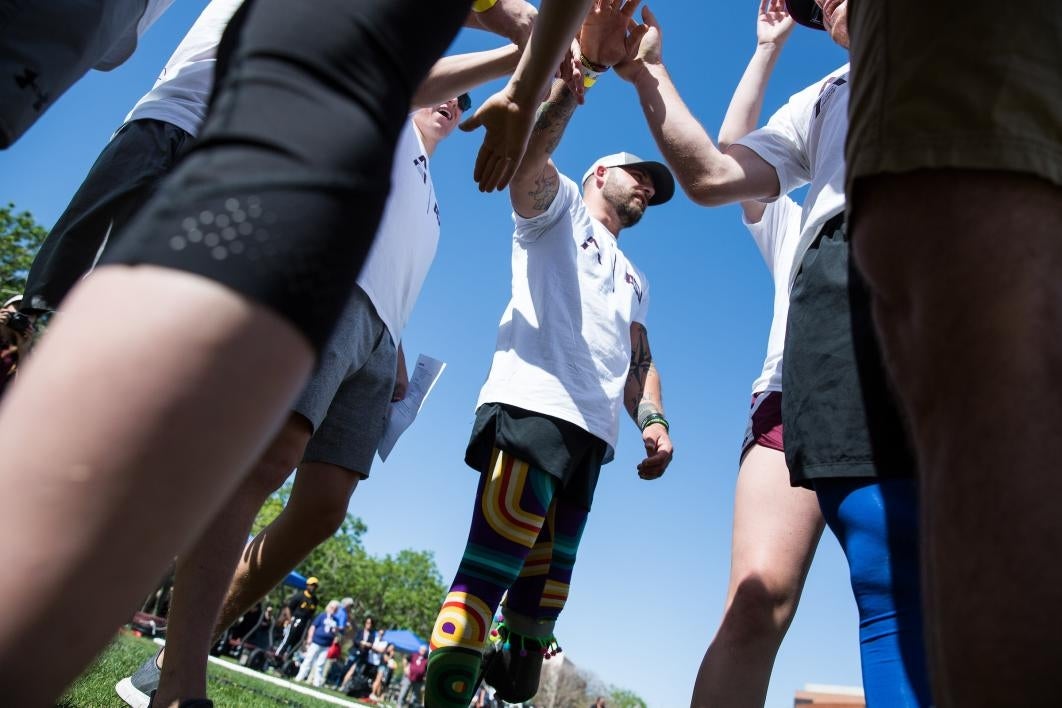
(651,578)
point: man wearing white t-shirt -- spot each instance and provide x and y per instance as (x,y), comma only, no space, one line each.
(844,436)
(572,353)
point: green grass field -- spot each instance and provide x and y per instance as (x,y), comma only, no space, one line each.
(95,689)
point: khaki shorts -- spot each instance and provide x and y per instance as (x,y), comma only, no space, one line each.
(974,86)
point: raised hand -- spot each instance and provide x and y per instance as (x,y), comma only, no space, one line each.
(773,23)
(603,36)
(646,47)
(508,127)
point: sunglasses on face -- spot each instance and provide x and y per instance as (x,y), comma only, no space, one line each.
(464,102)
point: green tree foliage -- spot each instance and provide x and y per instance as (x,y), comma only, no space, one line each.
(622,698)
(404,590)
(20,238)
(401,591)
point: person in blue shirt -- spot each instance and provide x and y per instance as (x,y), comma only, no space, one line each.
(324,631)
(342,617)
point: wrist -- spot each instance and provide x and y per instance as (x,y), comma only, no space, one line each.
(644,74)
(654,419)
(519,91)
(770,47)
(591,70)
(591,64)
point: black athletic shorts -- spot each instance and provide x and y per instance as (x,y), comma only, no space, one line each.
(557,447)
(840,417)
(281,196)
(121,180)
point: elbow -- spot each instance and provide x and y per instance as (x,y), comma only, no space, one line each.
(705,192)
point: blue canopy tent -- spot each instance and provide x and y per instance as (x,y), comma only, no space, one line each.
(296,580)
(404,640)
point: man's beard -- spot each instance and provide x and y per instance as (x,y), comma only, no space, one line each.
(627,209)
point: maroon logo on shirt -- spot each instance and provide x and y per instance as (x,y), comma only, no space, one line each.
(586,244)
(827,90)
(634,284)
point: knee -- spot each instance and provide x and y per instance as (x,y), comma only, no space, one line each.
(268,474)
(759,609)
(318,516)
(279,460)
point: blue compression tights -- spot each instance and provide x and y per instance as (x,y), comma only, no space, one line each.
(877,525)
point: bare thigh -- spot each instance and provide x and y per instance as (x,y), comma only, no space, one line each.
(776,526)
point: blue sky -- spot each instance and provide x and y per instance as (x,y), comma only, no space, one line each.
(651,578)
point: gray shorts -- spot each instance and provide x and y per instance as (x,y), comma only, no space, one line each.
(347,398)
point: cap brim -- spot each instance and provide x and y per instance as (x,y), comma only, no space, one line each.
(805,12)
(663,180)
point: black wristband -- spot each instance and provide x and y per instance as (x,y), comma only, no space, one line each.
(655,418)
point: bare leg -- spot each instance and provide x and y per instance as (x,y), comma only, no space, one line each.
(776,530)
(349,676)
(205,571)
(142,362)
(377,682)
(315,511)
(968,298)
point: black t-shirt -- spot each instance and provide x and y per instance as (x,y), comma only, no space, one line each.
(303,605)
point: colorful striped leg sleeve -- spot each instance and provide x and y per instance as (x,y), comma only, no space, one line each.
(542,588)
(510,511)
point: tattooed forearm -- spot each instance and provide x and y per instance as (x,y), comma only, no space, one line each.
(553,117)
(641,366)
(536,182)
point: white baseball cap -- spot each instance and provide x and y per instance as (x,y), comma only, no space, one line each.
(663,182)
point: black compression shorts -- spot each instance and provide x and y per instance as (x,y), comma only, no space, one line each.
(281,197)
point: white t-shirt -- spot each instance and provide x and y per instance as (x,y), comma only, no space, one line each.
(125,45)
(181,92)
(564,342)
(407,238)
(777,234)
(804,142)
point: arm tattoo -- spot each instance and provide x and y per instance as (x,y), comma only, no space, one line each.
(641,363)
(546,186)
(553,117)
